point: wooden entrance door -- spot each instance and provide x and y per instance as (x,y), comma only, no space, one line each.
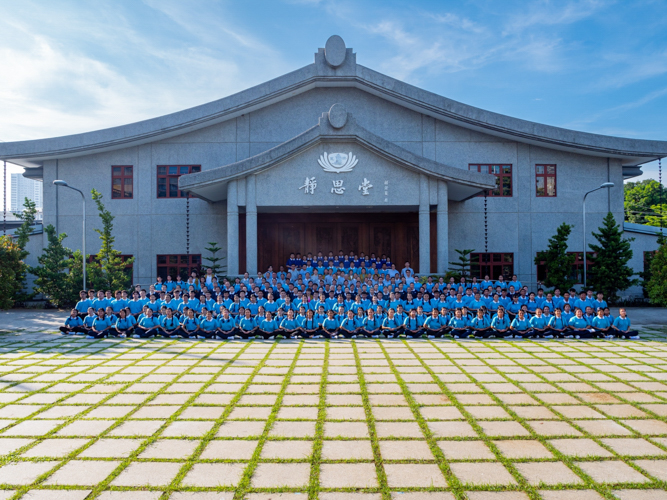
(393,234)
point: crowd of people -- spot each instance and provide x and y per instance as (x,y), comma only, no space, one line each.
(348,296)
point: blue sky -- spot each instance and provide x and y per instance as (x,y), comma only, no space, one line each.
(593,65)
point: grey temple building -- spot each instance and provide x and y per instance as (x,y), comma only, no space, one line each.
(335,156)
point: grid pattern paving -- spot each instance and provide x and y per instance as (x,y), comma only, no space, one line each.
(365,419)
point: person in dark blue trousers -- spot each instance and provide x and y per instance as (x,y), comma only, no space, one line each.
(73,324)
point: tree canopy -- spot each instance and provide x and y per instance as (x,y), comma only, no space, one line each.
(611,272)
(641,198)
(557,261)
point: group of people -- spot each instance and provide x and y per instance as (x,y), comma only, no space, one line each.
(346,296)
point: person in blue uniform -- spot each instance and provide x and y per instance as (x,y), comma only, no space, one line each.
(101,325)
(189,324)
(267,327)
(136,305)
(579,326)
(208,326)
(459,325)
(120,302)
(500,324)
(169,324)
(372,326)
(309,325)
(359,318)
(83,304)
(601,324)
(411,326)
(330,326)
(391,325)
(348,326)
(582,302)
(88,320)
(532,304)
(558,325)
(100,301)
(539,324)
(513,308)
(289,327)
(621,326)
(125,323)
(148,326)
(435,325)
(73,324)
(480,324)
(520,326)
(226,325)
(247,325)
(476,303)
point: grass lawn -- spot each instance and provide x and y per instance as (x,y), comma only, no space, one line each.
(337,420)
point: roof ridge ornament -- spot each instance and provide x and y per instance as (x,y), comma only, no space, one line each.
(337,116)
(335,51)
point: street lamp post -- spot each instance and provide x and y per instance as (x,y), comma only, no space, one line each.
(605,185)
(83,250)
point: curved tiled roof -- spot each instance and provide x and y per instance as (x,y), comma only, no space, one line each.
(322,73)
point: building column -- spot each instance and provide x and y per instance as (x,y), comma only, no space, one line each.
(443,227)
(424,226)
(232,229)
(250,226)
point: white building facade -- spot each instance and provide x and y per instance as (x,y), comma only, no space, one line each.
(22,188)
(335,156)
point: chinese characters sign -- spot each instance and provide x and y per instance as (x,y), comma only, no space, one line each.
(340,163)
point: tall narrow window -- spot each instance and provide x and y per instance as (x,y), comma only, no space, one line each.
(167,179)
(122,182)
(503,175)
(545,181)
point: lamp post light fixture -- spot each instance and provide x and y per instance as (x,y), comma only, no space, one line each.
(602,186)
(83,249)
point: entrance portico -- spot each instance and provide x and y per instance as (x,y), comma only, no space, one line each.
(336,167)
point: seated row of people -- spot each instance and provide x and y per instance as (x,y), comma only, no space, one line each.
(459,323)
(423,302)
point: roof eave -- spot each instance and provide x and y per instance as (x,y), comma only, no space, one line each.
(323,74)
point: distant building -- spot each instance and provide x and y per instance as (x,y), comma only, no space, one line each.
(23,188)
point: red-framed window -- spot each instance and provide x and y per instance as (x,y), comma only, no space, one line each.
(503,173)
(493,264)
(122,183)
(577,270)
(178,264)
(545,181)
(167,179)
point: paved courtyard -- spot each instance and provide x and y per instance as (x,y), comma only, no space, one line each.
(407,420)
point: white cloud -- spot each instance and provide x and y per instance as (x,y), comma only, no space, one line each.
(106,70)
(552,13)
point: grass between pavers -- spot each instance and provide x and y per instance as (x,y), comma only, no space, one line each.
(604,489)
(372,432)
(101,486)
(316,457)
(244,483)
(457,486)
(509,464)
(359,361)
(607,487)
